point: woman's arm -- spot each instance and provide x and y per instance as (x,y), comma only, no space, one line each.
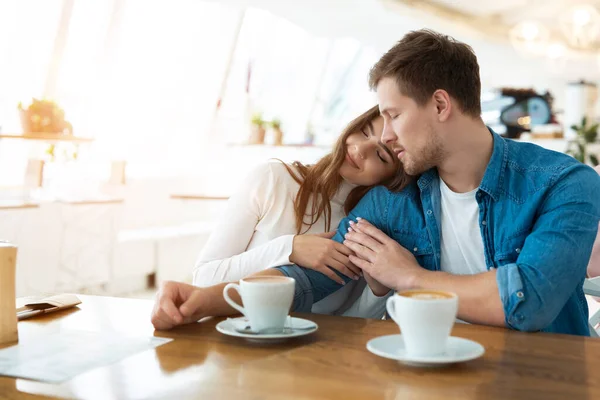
(377,288)
(178,303)
(224,257)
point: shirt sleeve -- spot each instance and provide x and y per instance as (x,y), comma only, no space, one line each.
(224,257)
(311,285)
(555,255)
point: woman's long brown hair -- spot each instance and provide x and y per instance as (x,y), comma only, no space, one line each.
(323,179)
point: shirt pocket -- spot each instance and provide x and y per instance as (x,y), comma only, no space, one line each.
(509,249)
(419,245)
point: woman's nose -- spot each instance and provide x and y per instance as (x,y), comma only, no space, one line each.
(364,148)
(360,150)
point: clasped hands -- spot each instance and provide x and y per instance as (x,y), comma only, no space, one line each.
(381,257)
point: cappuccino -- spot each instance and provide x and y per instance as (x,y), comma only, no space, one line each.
(426,294)
(268,279)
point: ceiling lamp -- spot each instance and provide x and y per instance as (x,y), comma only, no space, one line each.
(556,51)
(530,38)
(556,56)
(580,25)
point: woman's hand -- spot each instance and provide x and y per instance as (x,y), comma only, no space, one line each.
(319,252)
(377,288)
(177,303)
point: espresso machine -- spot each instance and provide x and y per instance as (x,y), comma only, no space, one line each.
(511,112)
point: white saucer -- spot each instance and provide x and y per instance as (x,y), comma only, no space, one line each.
(458,350)
(294,327)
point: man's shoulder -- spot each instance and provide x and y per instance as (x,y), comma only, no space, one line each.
(530,168)
(522,156)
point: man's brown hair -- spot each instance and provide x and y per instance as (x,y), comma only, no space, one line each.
(425,61)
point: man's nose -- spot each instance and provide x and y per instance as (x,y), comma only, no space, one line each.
(388,134)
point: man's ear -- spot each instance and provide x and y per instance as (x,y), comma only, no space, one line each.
(443,104)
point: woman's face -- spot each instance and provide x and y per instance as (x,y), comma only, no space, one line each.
(368,161)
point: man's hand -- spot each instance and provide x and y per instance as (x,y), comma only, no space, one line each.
(382,257)
(177,304)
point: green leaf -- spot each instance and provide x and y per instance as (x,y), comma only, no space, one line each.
(594,160)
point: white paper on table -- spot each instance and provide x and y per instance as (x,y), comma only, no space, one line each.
(61,356)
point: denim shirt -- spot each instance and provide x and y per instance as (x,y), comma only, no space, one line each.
(538,217)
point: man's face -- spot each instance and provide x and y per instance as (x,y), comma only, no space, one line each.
(409,129)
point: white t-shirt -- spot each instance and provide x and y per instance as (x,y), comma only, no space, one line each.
(461,242)
(256,232)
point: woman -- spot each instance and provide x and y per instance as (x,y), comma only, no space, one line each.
(281,212)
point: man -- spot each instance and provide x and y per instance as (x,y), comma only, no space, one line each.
(507,226)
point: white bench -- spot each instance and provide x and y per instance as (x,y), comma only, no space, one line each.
(170,252)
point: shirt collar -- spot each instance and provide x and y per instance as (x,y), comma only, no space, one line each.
(493,178)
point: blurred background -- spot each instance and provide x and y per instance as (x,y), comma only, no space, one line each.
(126,124)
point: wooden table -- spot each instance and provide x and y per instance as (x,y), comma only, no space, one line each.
(332,363)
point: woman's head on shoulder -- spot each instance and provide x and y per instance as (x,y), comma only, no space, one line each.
(359,154)
(358,157)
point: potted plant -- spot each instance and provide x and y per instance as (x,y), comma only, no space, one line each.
(578,146)
(44,116)
(257,135)
(277,132)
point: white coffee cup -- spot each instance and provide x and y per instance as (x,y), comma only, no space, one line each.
(425,318)
(267,301)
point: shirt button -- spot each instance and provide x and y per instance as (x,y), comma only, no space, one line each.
(520,294)
(518,250)
(415,249)
(429,212)
(483,223)
(518,318)
(478,194)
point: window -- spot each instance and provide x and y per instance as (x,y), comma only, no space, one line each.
(25,50)
(284,72)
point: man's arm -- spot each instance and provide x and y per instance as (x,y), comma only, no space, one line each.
(394,266)
(526,295)
(554,258)
(312,286)
(478,298)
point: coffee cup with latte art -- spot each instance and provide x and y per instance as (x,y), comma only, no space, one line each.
(425,318)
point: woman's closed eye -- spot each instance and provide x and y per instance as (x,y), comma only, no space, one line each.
(381,158)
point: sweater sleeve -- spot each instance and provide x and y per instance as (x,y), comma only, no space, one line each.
(225,257)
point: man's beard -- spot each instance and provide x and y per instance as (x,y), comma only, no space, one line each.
(428,157)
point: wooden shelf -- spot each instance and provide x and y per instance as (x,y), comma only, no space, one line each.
(46,137)
(16,204)
(91,201)
(298,145)
(197,197)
